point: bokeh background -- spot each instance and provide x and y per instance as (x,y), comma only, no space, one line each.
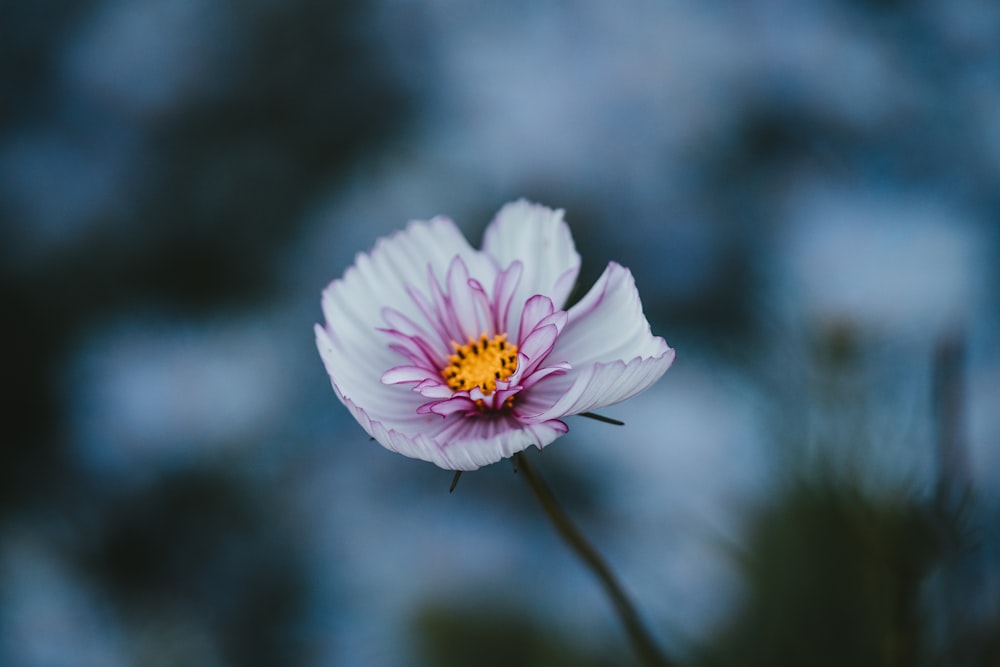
(808,194)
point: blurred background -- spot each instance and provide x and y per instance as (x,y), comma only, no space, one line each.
(808,194)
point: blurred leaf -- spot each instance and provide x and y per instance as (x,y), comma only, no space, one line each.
(832,578)
(494,635)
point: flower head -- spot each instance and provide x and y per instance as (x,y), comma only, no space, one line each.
(463,357)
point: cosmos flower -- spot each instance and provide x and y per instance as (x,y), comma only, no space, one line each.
(464,357)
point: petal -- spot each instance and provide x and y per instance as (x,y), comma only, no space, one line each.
(380,278)
(541,373)
(535,310)
(449,406)
(538,237)
(536,348)
(354,353)
(427,309)
(414,348)
(404,325)
(608,323)
(469,302)
(418,444)
(434,388)
(594,387)
(613,353)
(503,293)
(475,442)
(458,442)
(540,327)
(352,381)
(409,374)
(399,264)
(353,305)
(443,311)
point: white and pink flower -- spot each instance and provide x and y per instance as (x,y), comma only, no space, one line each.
(463,357)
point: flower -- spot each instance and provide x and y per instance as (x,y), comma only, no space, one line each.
(463,357)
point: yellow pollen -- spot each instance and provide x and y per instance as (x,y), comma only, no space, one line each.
(480,363)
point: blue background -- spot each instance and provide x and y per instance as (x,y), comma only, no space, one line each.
(808,194)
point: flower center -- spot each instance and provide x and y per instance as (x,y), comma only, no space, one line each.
(480,363)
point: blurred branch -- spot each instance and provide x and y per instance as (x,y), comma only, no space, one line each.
(602,418)
(643,643)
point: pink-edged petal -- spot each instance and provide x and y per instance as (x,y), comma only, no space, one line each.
(471,306)
(357,354)
(444,310)
(356,382)
(448,406)
(594,387)
(535,310)
(427,310)
(403,324)
(503,292)
(383,280)
(462,299)
(476,442)
(540,374)
(354,334)
(379,278)
(413,439)
(535,348)
(611,348)
(413,348)
(434,388)
(484,308)
(458,443)
(608,324)
(504,391)
(538,237)
(409,374)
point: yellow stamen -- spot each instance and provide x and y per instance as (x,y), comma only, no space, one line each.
(480,363)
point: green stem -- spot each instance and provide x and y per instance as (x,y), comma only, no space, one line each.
(644,645)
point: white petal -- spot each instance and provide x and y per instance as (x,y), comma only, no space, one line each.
(535,310)
(503,293)
(450,406)
(473,443)
(468,301)
(594,387)
(402,260)
(433,388)
(354,352)
(613,353)
(352,380)
(535,348)
(457,442)
(353,305)
(416,445)
(409,374)
(539,238)
(540,374)
(608,324)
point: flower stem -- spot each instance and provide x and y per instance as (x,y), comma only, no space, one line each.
(644,645)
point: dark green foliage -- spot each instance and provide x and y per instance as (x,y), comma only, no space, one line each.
(495,635)
(833,578)
(197,546)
